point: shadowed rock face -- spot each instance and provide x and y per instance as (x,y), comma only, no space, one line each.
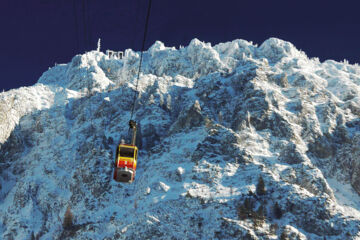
(189,118)
(355,162)
(322,148)
(211,120)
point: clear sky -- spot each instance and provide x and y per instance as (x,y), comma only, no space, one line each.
(36,34)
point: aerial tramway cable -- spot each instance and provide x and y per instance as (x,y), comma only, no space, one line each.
(141,56)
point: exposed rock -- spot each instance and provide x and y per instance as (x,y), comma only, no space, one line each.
(191,117)
(322,148)
(290,232)
(280,79)
(355,153)
(291,155)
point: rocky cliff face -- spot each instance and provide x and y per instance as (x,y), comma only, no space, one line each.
(237,142)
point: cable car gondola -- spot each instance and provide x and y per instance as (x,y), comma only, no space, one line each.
(126,158)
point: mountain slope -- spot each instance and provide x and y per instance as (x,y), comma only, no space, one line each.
(213,121)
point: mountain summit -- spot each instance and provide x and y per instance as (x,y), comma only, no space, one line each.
(236,142)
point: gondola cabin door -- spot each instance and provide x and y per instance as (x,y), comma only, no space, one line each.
(125,163)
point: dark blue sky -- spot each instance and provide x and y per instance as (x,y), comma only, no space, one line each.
(36,34)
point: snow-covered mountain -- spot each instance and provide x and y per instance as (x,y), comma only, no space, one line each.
(237,142)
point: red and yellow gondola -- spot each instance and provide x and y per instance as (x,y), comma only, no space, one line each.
(125,163)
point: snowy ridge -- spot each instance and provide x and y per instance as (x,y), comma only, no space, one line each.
(213,120)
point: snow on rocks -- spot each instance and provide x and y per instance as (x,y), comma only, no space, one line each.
(275,49)
(213,121)
(163,187)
